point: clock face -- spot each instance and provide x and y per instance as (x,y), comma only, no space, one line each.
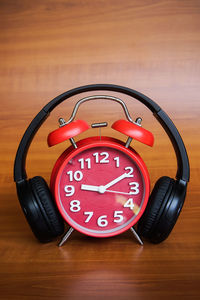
(101,188)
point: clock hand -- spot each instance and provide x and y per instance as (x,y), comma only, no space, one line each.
(103,188)
(87,187)
(93,188)
(115,180)
(117,192)
(100,189)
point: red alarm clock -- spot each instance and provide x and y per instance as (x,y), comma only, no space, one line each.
(100,184)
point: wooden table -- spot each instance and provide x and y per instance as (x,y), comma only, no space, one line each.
(48,47)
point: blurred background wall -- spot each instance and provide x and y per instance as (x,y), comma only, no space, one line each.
(48,47)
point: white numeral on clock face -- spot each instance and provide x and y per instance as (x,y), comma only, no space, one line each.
(130,171)
(102,221)
(77,175)
(129,203)
(134,188)
(85,163)
(70,190)
(116,161)
(75,205)
(118,216)
(103,160)
(89,214)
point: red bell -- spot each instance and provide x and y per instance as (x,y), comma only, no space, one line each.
(134,131)
(66,132)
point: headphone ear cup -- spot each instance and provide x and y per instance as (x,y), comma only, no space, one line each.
(39,209)
(49,223)
(155,208)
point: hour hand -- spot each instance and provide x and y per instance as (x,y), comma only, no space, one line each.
(94,188)
(87,187)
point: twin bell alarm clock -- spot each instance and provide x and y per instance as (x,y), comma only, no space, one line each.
(100,185)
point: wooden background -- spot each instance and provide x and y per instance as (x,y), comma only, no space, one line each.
(48,47)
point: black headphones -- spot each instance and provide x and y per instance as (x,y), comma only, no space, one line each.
(166,199)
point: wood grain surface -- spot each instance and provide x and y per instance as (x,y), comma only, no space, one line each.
(48,47)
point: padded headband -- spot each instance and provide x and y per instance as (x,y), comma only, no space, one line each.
(183,169)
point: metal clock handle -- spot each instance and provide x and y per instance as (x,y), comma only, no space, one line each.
(97,97)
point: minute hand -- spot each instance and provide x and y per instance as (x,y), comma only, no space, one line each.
(115,180)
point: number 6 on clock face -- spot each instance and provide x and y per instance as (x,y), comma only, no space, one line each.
(101,188)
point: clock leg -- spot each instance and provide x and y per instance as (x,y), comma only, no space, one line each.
(73,143)
(128,142)
(132,229)
(138,122)
(66,236)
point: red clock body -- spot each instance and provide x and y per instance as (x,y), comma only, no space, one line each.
(101,188)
